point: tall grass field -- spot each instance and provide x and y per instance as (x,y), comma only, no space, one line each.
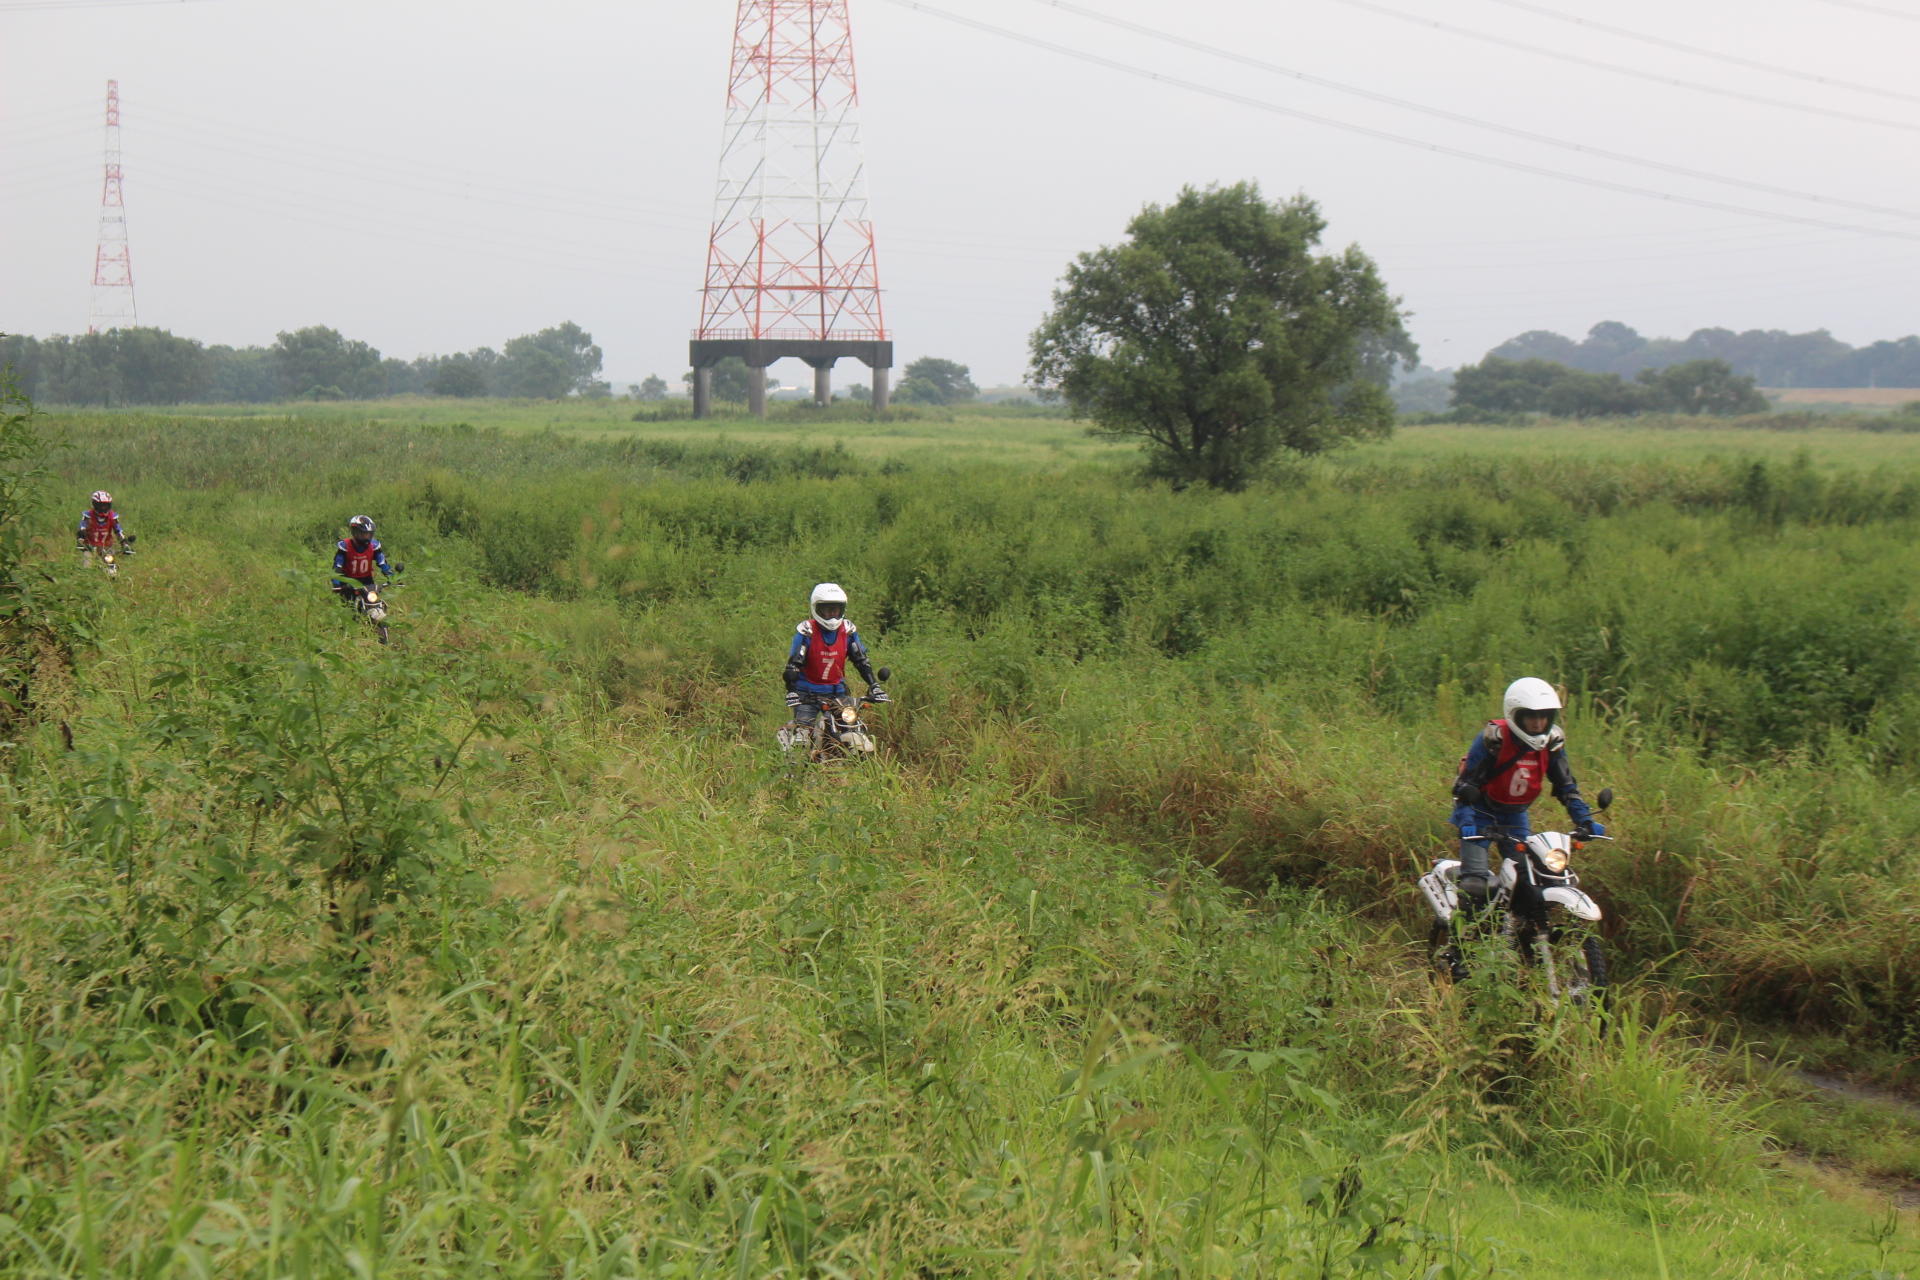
(515,948)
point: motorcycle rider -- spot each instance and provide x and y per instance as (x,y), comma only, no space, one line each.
(1500,777)
(100,525)
(823,644)
(355,558)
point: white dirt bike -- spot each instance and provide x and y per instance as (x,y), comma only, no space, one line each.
(372,603)
(840,728)
(1562,939)
(109,558)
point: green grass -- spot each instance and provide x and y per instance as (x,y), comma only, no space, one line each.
(513,949)
(1831,447)
(978,433)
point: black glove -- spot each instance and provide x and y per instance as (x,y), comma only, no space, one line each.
(1468,794)
(793,698)
(876,694)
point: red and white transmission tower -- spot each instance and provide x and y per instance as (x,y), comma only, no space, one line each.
(791,269)
(112,264)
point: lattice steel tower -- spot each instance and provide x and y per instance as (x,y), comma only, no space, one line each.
(791,269)
(112,306)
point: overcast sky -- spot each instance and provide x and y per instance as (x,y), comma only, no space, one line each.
(432,176)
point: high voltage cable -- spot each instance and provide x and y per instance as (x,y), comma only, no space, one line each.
(1600,64)
(1685,171)
(1751,64)
(1880,9)
(26,6)
(1517,166)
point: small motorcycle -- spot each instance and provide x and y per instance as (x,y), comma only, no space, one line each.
(371,602)
(109,558)
(1563,940)
(839,729)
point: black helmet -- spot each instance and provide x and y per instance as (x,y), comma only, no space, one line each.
(361,527)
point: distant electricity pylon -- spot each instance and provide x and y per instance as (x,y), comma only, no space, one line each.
(112,306)
(791,269)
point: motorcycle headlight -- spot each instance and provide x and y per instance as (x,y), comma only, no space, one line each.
(849,715)
(373,597)
(1554,860)
(108,557)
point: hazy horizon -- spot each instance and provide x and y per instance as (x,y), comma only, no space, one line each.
(431,179)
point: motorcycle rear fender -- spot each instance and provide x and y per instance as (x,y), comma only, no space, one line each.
(1573,900)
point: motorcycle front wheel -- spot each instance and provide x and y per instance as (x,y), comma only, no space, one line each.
(381,628)
(1443,953)
(1587,979)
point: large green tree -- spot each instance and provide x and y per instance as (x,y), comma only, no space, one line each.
(549,364)
(1215,334)
(931,380)
(1703,386)
(318,362)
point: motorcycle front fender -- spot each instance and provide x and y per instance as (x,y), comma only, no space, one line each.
(1574,901)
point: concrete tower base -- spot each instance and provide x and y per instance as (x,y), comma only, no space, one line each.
(704,353)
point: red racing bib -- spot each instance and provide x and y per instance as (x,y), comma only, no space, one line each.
(99,528)
(358,563)
(1519,772)
(826,656)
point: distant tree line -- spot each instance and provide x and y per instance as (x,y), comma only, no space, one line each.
(1502,386)
(1771,357)
(153,366)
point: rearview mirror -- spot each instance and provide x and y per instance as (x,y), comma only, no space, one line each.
(884,673)
(1605,798)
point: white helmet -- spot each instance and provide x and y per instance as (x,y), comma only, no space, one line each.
(1530,694)
(828,593)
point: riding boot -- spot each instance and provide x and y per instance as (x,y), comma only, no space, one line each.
(1475,881)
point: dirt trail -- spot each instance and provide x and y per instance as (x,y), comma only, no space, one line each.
(1904,1192)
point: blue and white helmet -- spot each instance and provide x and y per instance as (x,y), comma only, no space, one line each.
(828,594)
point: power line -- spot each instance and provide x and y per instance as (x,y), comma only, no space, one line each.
(359,161)
(1528,135)
(1880,9)
(1715,55)
(28,6)
(1651,77)
(1437,148)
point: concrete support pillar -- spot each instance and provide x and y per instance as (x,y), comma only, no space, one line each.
(702,392)
(757,391)
(880,390)
(823,384)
